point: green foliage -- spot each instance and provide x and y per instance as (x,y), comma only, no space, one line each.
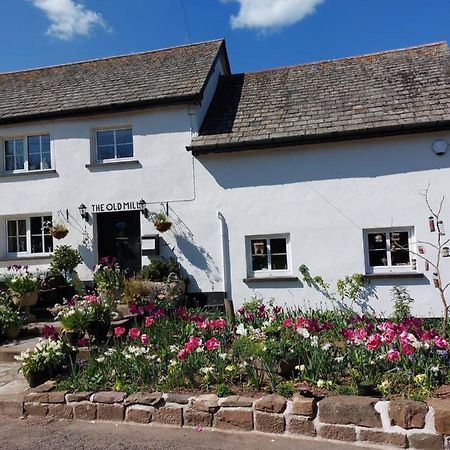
(286,389)
(9,317)
(18,280)
(402,303)
(65,259)
(161,269)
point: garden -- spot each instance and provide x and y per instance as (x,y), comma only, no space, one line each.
(161,345)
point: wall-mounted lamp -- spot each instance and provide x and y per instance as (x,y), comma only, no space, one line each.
(142,204)
(83,212)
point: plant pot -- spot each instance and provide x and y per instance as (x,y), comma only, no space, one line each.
(163,226)
(59,234)
(37,378)
(13,332)
(73,337)
(366,389)
(98,331)
(25,300)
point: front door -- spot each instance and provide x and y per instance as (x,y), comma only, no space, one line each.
(119,235)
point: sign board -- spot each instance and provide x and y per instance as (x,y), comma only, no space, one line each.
(114,207)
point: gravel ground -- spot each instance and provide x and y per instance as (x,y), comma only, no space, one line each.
(41,433)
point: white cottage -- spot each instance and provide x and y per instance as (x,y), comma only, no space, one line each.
(319,164)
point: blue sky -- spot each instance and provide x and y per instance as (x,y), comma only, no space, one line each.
(259,33)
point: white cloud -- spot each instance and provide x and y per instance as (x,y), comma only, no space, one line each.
(270,14)
(69,18)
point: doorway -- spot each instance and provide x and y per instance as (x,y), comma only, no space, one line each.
(119,235)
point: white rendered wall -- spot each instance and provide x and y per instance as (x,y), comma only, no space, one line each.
(322,195)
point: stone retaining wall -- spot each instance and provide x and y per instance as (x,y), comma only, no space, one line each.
(399,423)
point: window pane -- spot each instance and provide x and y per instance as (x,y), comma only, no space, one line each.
(399,246)
(105,137)
(18,149)
(46,161)
(48,242)
(22,244)
(22,225)
(124,151)
(278,246)
(34,161)
(124,136)
(9,163)
(47,222)
(259,262)
(36,225)
(378,258)
(19,162)
(45,140)
(9,148)
(279,262)
(259,247)
(36,244)
(12,245)
(377,240)
(34,144)
(106,152)
(12,229)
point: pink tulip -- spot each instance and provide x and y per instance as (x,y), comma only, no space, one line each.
(144,339)
(440,342)
(118,331)
(393,355)
(149,321)
(373,342)
(212,344)
(134,332)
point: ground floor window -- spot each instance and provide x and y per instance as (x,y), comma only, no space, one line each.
(267,254)
(29,235)
(388,249)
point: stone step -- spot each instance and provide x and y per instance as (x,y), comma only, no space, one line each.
(10,349)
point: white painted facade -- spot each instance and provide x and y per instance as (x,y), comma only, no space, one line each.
(322,196)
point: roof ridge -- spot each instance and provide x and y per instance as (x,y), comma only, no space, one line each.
(105,58)
(344,58)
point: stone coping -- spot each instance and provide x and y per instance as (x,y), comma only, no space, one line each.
(396,423)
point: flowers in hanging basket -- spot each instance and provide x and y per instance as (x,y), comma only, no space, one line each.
(57,230)
(161,222)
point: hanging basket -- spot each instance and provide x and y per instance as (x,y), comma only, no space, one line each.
(163,226)
(59,233)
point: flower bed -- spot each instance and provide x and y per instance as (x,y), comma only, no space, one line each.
(269,350)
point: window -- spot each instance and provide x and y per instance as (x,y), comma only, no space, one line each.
(388,250)
(28,154)
(114,144)
(268,255)
(29,235)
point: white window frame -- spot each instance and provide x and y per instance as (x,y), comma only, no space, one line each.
(28,252)
(114,129)
(268,272)
(412,267)
(25,138)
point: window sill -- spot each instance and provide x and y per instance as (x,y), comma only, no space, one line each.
(127,164)
(29,173)
(376,276)
(268,279)
(25,257)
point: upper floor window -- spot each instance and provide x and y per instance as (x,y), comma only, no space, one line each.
(114,144)
(27,154)
(29,235)
(388,250)
(268,255)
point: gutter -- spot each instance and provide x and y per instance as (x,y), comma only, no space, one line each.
(396,130)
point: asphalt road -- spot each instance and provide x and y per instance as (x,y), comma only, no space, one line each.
(39,433)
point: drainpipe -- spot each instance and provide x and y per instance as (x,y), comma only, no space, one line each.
(226,275)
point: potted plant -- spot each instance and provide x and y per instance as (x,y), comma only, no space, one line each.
(161,222)
(73,320)
(11,321)
(23,286)
(109,279)
(64,261)
(98,313)
(46,360)
(58,230)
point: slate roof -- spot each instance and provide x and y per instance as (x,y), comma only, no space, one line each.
(385,92)
(136,80)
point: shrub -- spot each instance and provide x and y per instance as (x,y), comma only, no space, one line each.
(64,260)
(160,270)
